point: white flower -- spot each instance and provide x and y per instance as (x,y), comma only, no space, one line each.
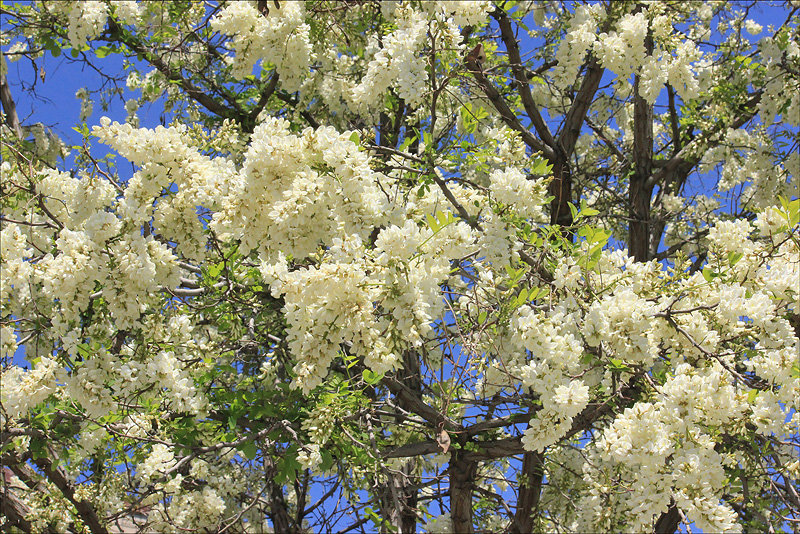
(309,457)
(281,38)
(752,27)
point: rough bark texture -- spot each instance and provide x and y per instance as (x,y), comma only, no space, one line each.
(529,493)
(462,477)
(400,500)
(639,193)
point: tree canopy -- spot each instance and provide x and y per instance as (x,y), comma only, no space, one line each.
(404,266)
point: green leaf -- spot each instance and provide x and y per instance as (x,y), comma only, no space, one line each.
(354,137)
(433,224)
(734,257)
(371,377)
(618,364)
(327,459)
(522,297)
(541,167)
(588,212)
(573,210)
(791,209)
(249,449)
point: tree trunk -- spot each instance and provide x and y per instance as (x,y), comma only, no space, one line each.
(639,192)
(462,478)
(399,501)
(560,189)
(529,493)
(9,108)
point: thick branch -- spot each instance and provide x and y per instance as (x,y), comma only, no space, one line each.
(580,106)
(462,473)
(265,95)
(638,192)
(171,74)
(9,108)
(673,119)
(506,114)
(530,492)
(668,521)
(520,75)
(411,402)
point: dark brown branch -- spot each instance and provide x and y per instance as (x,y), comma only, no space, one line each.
(265,96)
(171,74)
(413,403)
(530,492)
(506,114)
(610,144)
(668,521)
(521,76)
(639,194)
(580,106)
(673,119)
(462,471)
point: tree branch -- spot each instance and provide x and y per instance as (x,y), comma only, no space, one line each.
(508,116)
(171,74)
(580,106)
(520,75)
(9,108)
(692,153)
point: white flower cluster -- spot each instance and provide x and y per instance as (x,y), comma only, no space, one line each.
(334,304)
(780,99)
(513,188)
(668,455)
(23,390)
(309,456)
(579,40)
(161,459)
(86,104)
(624,53)
(128,11)
(86,19)
(326,307)
(14,288)
(167,159)
(627,315)
(282,198)
(281,38)
(747,158)
(555,345)
(465,12)
(397,65)
(413,263)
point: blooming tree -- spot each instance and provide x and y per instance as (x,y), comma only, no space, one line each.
(405,266)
